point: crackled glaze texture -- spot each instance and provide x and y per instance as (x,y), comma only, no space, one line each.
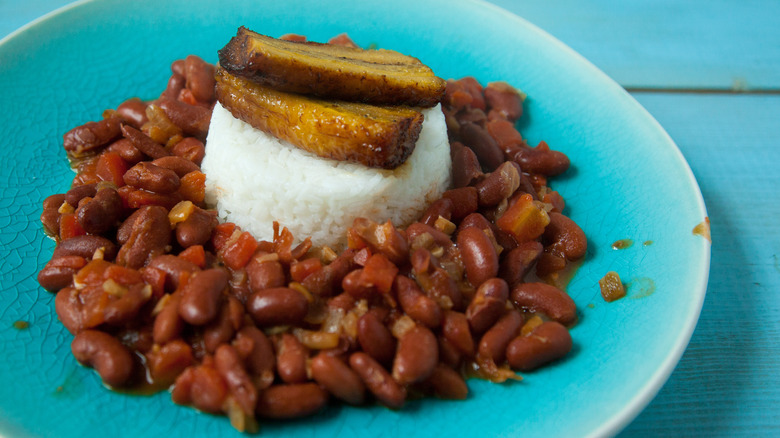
(628,180)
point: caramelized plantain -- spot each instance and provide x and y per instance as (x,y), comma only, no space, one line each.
(375,136)
(381,77)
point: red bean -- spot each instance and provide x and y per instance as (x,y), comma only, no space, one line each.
(326,281)
(92,135)
(144,143)
(101,213)
(447,383)
(416,357)
(442,207)
(148,232)
(504,99)
(277,306)
(169,361)
(221,330)
(200,78)
(127,151)
(455,328)
(191,149)
(103,352)
(168,324)
(180,166)
(547,299)
(566,237)
(518,262)
(176,269)
(479,255)
(291,358)
(378,380)
(375,338)
(175,83)
(258,353)
(548,342)
(201,295)
(465,166)
(231,368)
(208,389)
(541,160)
(150,177)
(498,185)
(291,401)
(416,304)
(464,201)
(77,193)
(58,272)
(488,304)
(493,344)
(133,111)
(338,378)
(478,139)
(265,274)
(197,228)
(85,246)
(192,119)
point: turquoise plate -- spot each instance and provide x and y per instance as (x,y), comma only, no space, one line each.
(628,181)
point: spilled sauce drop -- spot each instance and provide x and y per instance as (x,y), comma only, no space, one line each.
(703,229)
(21,325)
(641,287)
(647,243)
(622,244)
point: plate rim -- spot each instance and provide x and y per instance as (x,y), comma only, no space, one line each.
(642,398)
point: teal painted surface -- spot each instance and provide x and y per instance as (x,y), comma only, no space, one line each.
(727,381)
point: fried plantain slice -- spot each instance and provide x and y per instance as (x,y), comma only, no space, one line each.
(381,77)
(372,135)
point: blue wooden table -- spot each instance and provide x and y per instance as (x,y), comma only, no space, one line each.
(709,72)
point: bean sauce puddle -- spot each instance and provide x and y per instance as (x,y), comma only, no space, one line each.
(159,295)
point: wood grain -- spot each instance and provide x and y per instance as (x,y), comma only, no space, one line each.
(727,381)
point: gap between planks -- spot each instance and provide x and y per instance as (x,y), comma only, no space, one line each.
(683,90)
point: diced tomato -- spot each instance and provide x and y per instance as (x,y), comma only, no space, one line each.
(196,254)
(304,268)
(70,227)
(524,220)
(222,233)
(122,275)
(124,193)
(354,240)
(93,273)
(86,172)
(283,241)
(381,272)
(237,254)
(193,186)
(361,257)
(111,167)
(156,279)
(139,198)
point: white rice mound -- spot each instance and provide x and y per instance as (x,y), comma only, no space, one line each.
(254,179)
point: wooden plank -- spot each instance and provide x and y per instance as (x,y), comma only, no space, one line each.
(727,383)
(720,44)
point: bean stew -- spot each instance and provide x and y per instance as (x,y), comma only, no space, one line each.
(156,291)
